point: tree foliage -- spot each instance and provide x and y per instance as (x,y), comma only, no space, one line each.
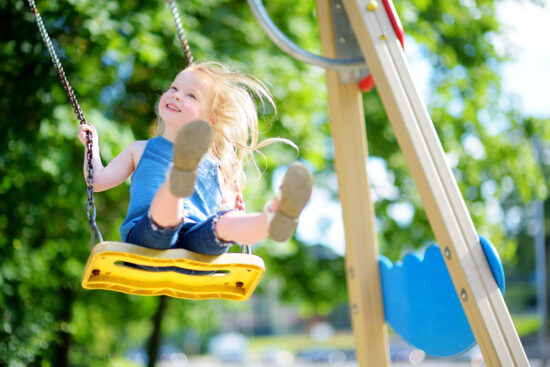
(120,55)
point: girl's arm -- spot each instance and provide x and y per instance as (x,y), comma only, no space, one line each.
(117,171)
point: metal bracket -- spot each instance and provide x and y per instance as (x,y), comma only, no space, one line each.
(293,49)
(347,46)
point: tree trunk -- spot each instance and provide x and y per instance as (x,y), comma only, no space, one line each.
(154,341)
(61,353)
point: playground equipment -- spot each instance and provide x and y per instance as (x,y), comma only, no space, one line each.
(132,269)
(232,276)
(376,28)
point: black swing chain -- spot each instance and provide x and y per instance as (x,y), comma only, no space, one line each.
(90,204)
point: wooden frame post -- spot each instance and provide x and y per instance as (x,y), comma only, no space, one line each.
(350,150)
(452,225)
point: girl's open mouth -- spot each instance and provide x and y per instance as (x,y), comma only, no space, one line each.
(172,107)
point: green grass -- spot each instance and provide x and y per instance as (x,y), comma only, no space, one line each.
(526,324)
(120,361)
(296,342)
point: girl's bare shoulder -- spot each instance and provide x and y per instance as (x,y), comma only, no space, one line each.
(138,145)
(136,150)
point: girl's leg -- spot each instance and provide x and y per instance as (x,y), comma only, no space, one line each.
(293,196)
(281,217)
(147,233)
(202,238)
(192,142)
(216,234)
(166,209)
(242,228)
(159,228)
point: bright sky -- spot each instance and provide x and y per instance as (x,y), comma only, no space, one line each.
(528,78)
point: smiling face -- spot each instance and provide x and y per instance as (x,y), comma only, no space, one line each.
(189,98)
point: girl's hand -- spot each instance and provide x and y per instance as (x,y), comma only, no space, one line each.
(239,202)
(232,198)
(83,129)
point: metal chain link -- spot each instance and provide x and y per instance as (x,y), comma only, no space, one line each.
(90,204)
(181,33)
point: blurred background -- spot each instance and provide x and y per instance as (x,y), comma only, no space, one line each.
(482,69)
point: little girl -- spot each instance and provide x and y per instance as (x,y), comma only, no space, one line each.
(186,183)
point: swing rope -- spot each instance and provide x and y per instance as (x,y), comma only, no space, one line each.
(95,233)
(181,33)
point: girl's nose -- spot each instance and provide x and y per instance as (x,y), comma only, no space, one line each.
(177,97)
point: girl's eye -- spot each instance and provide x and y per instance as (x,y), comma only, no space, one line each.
(174,88)
(191,95)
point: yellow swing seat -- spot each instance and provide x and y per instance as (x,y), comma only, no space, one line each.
(231,276)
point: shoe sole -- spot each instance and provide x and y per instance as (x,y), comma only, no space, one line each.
(295,192)
(192,142)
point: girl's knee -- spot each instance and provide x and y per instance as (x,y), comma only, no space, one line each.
(218,221)
(149,234)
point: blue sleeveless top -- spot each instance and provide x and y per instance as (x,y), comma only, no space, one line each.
(151,173)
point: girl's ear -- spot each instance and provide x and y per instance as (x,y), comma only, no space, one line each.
(212,121)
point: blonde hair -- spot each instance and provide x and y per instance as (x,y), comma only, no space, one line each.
(235,118)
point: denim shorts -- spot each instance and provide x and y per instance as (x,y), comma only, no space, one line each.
(197,237)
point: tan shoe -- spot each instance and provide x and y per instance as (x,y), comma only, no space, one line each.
(294,194)
(192,142)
